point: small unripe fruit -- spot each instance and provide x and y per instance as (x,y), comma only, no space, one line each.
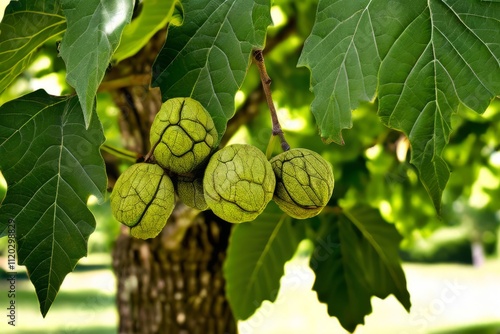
(143,198)
(182,135)
(190,191)
(238,183)
(304,182)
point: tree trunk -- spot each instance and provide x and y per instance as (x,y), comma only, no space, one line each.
(172,283)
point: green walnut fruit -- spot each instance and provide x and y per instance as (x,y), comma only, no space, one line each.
(190,191)
(238,183)
(182,135)
(304,182)
(143,198)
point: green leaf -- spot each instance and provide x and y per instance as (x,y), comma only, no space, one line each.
(355,259)
(154,15)
(52,164)
(256,257)
(93,33)
(26,26)
(381,252)
(342,55)
(429,57)
(340,281)
(208,56)
(448,54)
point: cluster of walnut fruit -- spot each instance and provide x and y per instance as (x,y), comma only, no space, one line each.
(236,182)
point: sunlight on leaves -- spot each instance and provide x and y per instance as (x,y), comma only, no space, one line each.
(429,57)
(444,58)
(154,15)
(26,26)
(93,33)
(342,54)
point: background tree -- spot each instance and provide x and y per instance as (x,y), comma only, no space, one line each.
(405,69)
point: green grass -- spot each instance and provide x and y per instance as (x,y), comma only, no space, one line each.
(490,328)
(86,304)
(87,330)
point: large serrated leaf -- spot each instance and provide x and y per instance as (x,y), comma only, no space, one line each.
(357,258)
(93,33)
(52,164)
(429,56)
(208,56)
(256,258)
(449,54)
(340,281)
(381,255)
(26,26)
(155,15)
(342,55)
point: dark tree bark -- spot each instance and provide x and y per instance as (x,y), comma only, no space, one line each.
(172,283)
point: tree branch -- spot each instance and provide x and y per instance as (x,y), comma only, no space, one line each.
(131,80)
(266,84)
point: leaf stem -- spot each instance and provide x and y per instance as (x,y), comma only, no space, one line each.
(266,83)
(270,147)
(337,210)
